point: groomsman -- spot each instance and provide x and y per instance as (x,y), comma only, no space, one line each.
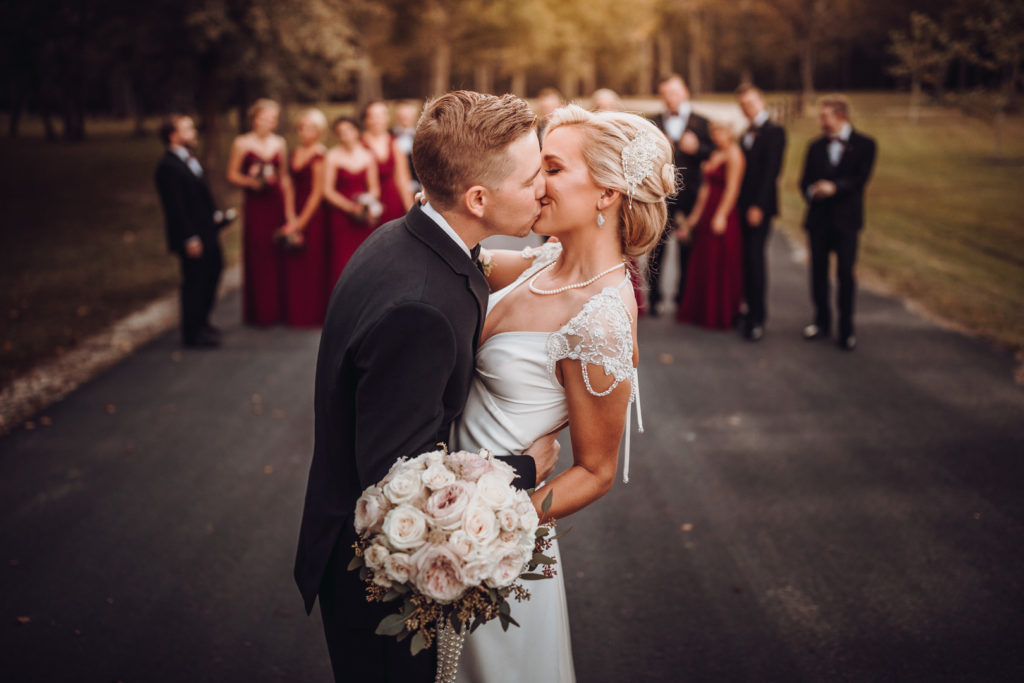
(763,145)
(691,142)
(836,171)
(193,228)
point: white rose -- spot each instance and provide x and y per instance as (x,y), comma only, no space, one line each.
(462,546)
(507,472)
(468,466)
(381,579)
(405,528)
(528,518)
(433,458)
(370,509)
(438,575)
(375,556)
(479,523)
(446,506)
(404,487)
(476,572)
(508,567)
(508,519)
(399,567)
(494,491)
(437,476)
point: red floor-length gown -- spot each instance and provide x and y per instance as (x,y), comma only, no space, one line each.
(714,283)
(306,268)
(346,233)
(390,198)
(263,259)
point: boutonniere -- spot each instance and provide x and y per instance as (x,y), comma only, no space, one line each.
(485,262)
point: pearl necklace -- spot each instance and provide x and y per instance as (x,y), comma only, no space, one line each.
(575,285)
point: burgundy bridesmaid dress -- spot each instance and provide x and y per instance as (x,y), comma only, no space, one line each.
(714,283)
(346,233)
(262,258)
(305,268)
(390,198)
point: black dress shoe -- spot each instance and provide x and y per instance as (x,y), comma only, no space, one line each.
(754,333)
(812,332)
(203,340)
(848,343)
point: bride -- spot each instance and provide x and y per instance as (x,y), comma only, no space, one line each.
(559,349)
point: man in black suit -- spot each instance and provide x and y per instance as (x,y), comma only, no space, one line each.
(836,171)
(691,143)
(397,355)
(763,145)
(193,229)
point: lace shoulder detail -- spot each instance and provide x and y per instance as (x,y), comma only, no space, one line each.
(543,255)
(600,335)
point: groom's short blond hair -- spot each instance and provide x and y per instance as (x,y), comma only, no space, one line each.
(462,140)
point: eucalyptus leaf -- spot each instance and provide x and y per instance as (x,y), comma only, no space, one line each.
(356,563)
(505,608)
(364,573)
(560,534)
(417,644)
(477,623)
(513,621)
(391,595)
(532,576)
(402,636)
(504,619)
(391,625)
(546,505)
(541,558)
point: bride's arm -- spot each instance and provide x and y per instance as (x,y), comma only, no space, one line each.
(507,265)
(596,424)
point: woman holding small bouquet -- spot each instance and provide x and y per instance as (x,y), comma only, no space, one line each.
(559,348)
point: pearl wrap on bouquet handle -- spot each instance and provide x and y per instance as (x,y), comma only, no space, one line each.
(449,651)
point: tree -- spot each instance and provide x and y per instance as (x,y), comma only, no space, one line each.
(923,53)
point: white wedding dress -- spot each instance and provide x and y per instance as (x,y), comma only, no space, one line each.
(515,398)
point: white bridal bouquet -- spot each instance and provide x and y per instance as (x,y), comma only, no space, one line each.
(449,535)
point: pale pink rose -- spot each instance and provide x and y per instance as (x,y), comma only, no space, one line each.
(399,567)
(396,467)
(370,510)
(528,519)
(445,507)
(494,491)
(506,471)
(381,579)
(461,545)
(405,487)
(508,519)
(476,572)
(508,567)
(375,556)
(405,528)
(508,537)
(437,476)
(479,523)
(468,466)
(438,575)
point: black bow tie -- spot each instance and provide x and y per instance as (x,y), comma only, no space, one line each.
(474,253)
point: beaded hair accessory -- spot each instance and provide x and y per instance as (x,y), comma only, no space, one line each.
(638,158)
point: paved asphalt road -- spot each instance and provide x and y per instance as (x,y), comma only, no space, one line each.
(796,513)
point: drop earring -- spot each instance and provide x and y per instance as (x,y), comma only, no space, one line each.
(600,219)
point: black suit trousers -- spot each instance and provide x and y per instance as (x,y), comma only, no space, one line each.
(199,280)
(654,266)
(824,240)
(358,655)
(755,272)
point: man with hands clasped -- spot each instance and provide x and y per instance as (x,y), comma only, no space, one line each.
(836,171)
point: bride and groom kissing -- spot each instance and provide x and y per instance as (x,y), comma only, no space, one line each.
(420,347)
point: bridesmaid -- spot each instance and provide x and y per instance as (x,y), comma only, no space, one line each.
(714,283)
(257,166)
(306,260)
(392,163)
(350,184)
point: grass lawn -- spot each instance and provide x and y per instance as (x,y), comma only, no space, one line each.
(82,240)
(945,215)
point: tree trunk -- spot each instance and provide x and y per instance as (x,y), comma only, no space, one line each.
(915,99)
(441,56)
(807,69)
(568,80)
(518,85)
(588,69)
(664,46)
(483,77)
(694,60)
(644,86)
(370,87)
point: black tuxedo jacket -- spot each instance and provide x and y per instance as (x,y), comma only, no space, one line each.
(764,163)
(394,369)
(845,209)
(688,165)
(187,201)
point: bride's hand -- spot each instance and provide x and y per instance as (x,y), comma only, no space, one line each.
(544,452)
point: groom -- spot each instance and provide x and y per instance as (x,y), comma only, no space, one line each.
(397,355)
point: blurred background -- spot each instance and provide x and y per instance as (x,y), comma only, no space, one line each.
(85,82)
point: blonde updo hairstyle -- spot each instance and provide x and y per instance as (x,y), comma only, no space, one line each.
(605,134)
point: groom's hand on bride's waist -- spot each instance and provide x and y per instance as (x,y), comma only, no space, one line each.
(544,452)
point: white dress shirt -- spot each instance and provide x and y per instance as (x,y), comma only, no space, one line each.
(675,123)
(443,224)
(835,146)
(759,120)
(190,161)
